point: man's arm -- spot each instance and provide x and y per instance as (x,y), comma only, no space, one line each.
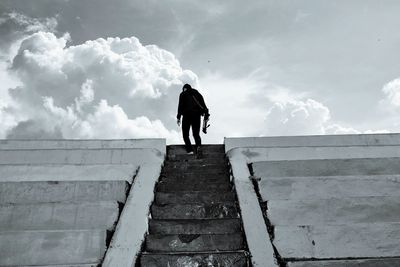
(178,117)
(203,104)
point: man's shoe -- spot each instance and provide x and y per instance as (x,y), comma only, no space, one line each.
(190,153)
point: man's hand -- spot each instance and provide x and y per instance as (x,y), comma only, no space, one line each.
(178,121)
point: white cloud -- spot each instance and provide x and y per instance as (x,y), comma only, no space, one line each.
(391,91)
(104,88)
(294,115)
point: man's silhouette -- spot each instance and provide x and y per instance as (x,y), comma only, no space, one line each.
(191,106)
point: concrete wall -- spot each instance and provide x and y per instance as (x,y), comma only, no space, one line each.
(327,197)
(59,198)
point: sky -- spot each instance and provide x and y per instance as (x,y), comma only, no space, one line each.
(114,69)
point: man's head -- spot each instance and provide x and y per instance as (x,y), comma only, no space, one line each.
(186,86)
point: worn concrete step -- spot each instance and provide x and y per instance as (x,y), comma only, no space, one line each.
(326,187)
(162,198)
(62,191)
(195,168)
(79,156)
(195,160)
(195,211)
(378,262)
(220,259)
(194,242)
(194,173)
(192,157)
(334,211)
(213,226)
(195,176)
(63,173)
(198,186)
(360,240)
(195,164)
(51,247)
(59,216)
(208,179)
(177,149)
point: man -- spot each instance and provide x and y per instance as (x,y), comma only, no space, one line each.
(191,106)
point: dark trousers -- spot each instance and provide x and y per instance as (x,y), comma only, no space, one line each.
(194,121)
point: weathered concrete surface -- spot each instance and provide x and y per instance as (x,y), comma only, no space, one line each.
(258,240)
(195,242)
(59,172)
(60,191)
(194,211)
(383,262)
(231,259)
(133,223)
(58,216)
(323,187)
(220,226)
(334,211)
(80,156)
(313,141)
(338,241)
(257,154)
(51,247)
(84,144)
(193,197)
(324,167)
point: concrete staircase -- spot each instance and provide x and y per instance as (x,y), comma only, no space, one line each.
(195,219)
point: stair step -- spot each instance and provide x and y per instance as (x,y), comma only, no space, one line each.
(195,176)
(162,198)
(213,226)
(208,179)
(194,211)
(192,157)
(174,173)
(205,148)
(194,242)
(198,186)
(195,160)
(194,167)
(221,259)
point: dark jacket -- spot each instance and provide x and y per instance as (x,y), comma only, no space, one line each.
(188,105)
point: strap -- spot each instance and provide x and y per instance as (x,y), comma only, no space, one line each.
(197,102)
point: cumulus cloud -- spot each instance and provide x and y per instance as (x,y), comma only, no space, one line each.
(391,92)
(103,88)
(15,26)
(293,116)
(296,117)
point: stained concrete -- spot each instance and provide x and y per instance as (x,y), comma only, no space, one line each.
(194,242)
(361,240)
(157,143)
(334,211)
(60,172)
(257,154)
(211,226)
(61,191)
(326,197)
(322,187)
(58,216)
(80,156)
(52,247)
(231,259)
(327,167)
(127,240)
(313,141)
(382,262)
